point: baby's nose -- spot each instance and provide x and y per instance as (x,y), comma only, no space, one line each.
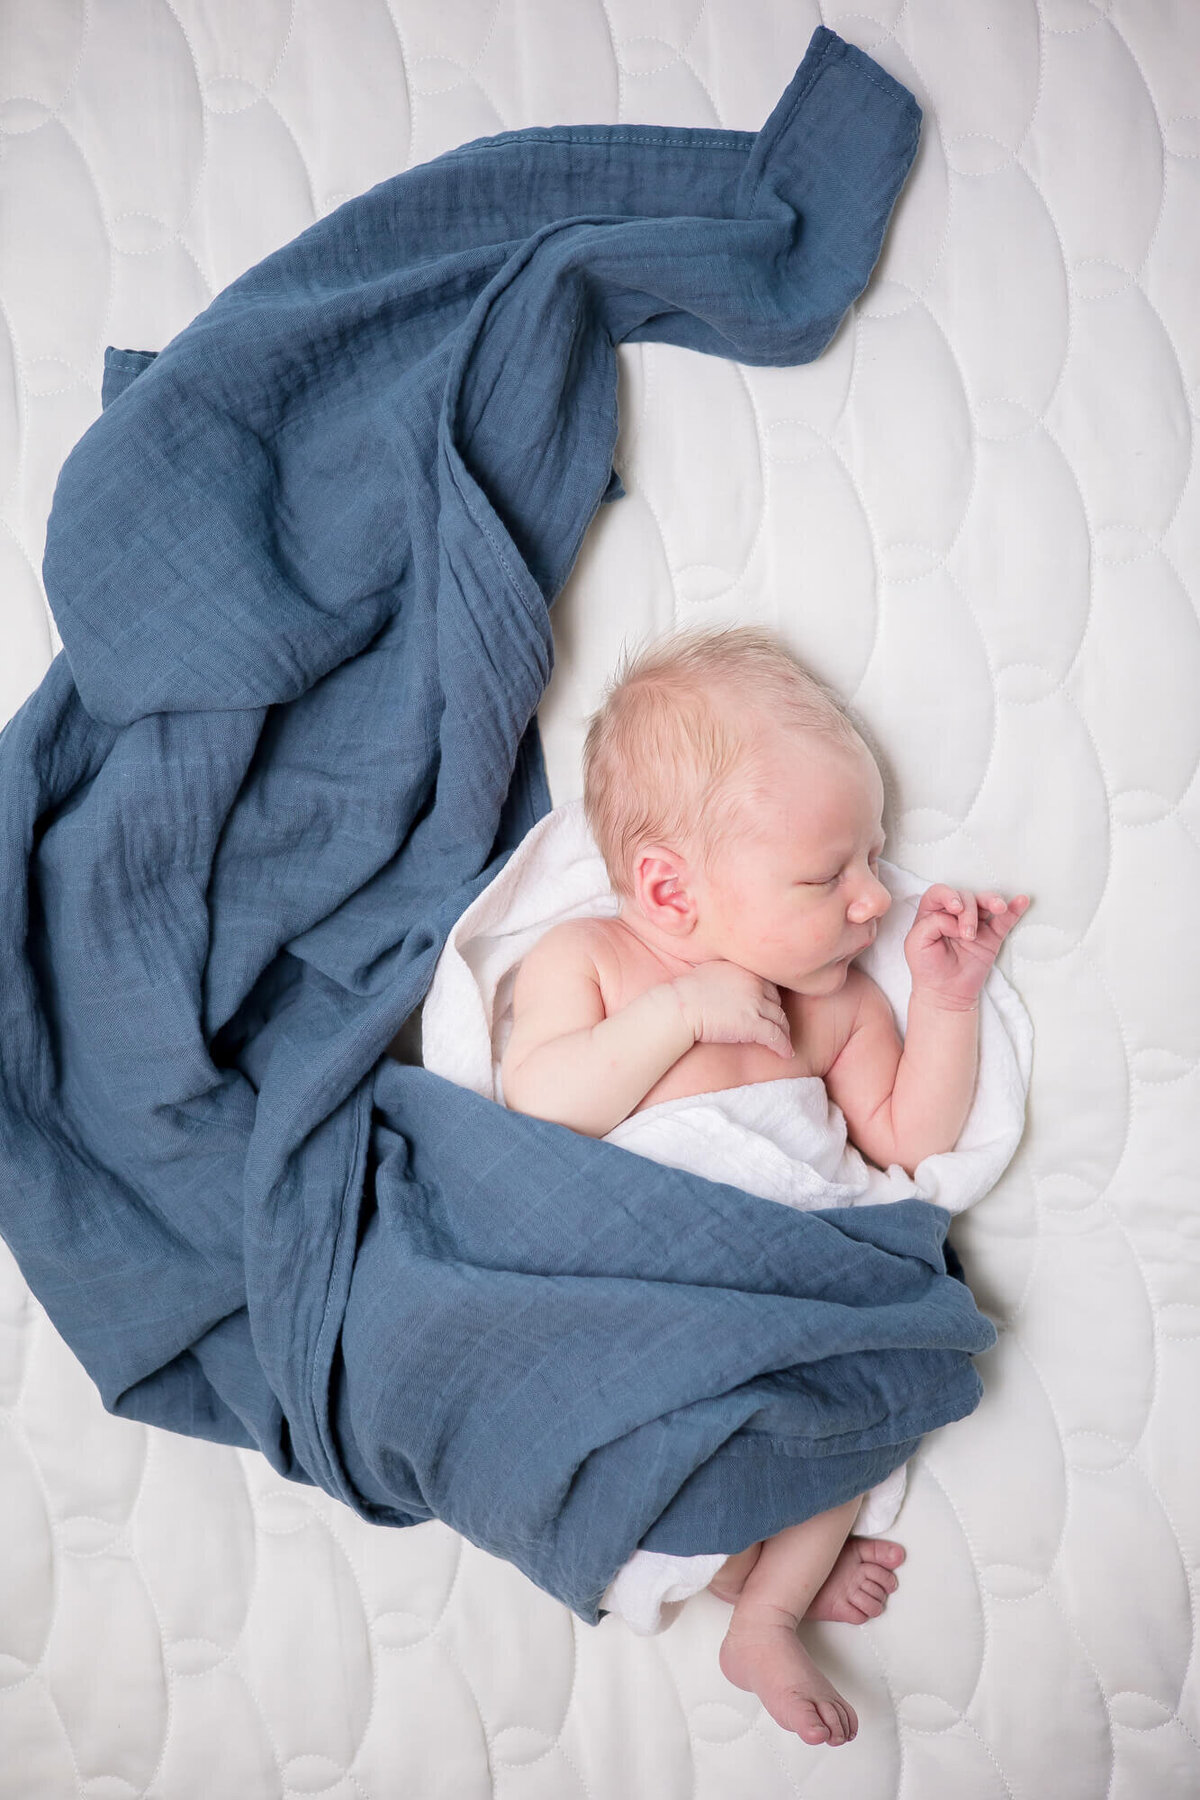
(871,904)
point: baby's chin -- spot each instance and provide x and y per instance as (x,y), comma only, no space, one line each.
(829,978)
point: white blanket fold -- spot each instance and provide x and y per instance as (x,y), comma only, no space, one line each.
(783,1140)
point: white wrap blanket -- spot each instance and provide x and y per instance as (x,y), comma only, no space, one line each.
(782,1140)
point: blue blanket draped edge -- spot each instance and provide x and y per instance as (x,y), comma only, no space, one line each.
(302,566)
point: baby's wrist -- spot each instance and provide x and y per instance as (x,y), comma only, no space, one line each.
(932,1001)
(679,1002)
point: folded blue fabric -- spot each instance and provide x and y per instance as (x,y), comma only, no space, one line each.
(302,567)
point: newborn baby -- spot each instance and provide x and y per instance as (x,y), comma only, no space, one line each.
(739,815)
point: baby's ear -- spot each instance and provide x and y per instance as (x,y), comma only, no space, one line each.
(662,890)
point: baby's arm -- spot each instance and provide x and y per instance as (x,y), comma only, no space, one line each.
(907,1101)
(565,1061)
(568,1063)
(904,1101)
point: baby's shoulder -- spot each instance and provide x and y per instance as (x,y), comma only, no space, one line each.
(556,989)
(572,937)
(567,955)
(600,949)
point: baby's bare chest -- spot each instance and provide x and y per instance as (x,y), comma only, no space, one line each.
(626,969)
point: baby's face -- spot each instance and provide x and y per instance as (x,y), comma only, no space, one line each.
(798,897)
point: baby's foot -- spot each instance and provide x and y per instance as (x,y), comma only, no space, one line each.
(857,1587)
(762,1654)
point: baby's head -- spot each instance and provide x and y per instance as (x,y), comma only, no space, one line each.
(678,753)
(716,771)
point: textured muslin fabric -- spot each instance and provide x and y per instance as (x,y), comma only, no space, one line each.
(301,566)
(784,1140)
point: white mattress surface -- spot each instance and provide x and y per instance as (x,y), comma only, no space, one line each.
(977,517)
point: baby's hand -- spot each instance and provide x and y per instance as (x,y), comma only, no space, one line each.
(725,1004)
(954,939)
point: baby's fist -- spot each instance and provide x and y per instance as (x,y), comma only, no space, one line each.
(954,939)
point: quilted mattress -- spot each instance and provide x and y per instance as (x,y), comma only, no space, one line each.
(977,517)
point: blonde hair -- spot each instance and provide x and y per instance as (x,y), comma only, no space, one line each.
(676,753)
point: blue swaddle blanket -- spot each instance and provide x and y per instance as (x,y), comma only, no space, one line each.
(301,567)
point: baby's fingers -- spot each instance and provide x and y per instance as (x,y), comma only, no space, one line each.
(955,903)
(776,1034)
(959,903)
(968,915)
(1003,915)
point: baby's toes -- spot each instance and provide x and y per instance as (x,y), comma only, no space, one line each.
(808,1723)
(871,1594)
(832,1721)
(838,1717)
(880,1551)
(862,1605)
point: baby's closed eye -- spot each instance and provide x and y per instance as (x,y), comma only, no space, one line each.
(831,880)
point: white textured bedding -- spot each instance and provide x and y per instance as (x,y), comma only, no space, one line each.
(977,516)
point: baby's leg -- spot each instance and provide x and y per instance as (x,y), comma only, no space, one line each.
(730,1578)
(856,1588)
(761,1651)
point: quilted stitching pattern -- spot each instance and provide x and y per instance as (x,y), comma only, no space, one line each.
(977,516)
